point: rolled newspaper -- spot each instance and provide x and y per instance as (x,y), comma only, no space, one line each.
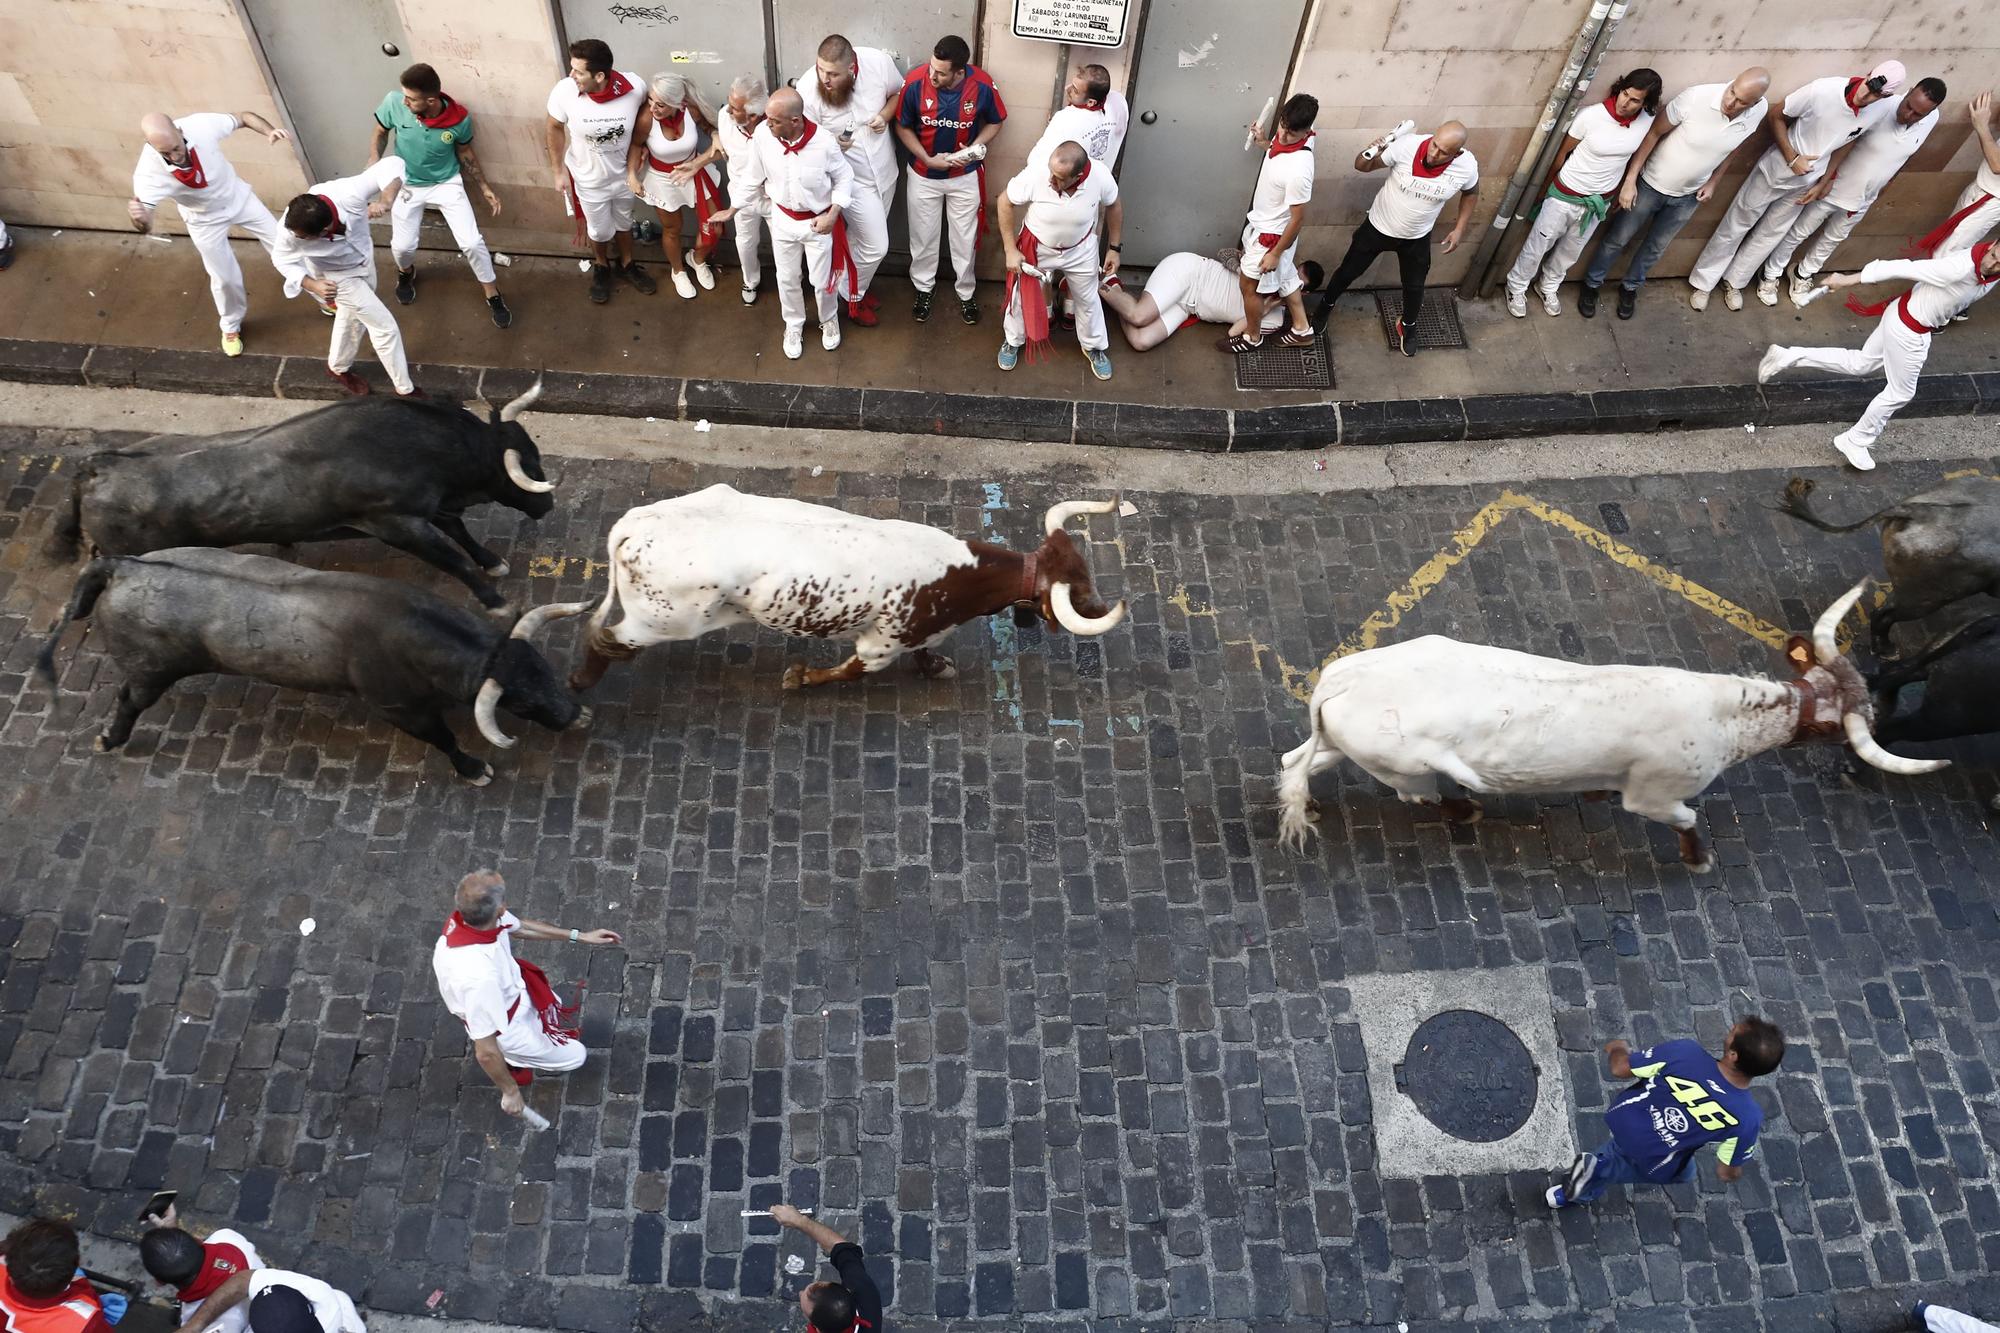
(1250,139)
(1813,295)
(766,1212)
(1374,150)
(536,1120)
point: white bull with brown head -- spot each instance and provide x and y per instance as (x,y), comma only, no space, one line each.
(1494,720)
(718,557)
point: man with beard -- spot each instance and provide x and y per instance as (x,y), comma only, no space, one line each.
(851,94)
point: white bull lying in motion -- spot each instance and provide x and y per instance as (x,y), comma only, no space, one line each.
(1494,720)
(718,557)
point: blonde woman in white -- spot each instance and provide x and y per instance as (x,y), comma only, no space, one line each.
(669,170)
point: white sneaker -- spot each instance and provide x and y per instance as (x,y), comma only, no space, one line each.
(1697,299)
(684,285)
(703,274)
(1857,455)
(1551,304)
(795,343)
(1774,361)
(1517,303)
(1767,291)
(749,296)
(1732,297)
(1801,288)
(829,334)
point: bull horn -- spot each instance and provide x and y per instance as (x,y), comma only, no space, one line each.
(529,625)
(1069,509)
(483,713)
(519,475)
(1075,621)
(524,402)
(1824,645)
(1866,746)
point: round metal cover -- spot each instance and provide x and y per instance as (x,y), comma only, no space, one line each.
(1469,1075)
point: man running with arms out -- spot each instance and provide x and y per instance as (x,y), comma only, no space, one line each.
(851,1305)
(432,133)
(326,250)
(1186,286)
(1688,1100)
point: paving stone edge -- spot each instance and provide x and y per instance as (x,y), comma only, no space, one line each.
(1345,422)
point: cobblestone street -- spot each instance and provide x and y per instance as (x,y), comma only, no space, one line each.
(1005,975)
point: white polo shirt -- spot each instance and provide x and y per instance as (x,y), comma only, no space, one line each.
(1100,132)
(1825,122)
(1282,181)
(1060,221)
(600,133)
(481,983)
(876,80)
(1408,204)
(333,1309)
(810,178)
(1944,286)
(213,182)
(1603,149)
(1702,136)
(1876,160)
(351,253)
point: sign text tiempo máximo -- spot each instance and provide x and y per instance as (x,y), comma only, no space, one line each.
(1084,22)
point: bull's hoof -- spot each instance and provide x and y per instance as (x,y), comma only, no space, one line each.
(941,669)
(1459,810)
(795,676)
(583,717)
(482,777)
(498,571)
(503,614)
(101,745)
(577,684)
(1701,867)
(1312,808)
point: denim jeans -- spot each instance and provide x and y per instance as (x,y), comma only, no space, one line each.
(1663,216)
(1615,1168)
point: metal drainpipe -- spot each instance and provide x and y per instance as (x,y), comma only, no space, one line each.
(1585,54)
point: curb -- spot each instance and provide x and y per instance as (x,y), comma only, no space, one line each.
(1499,416)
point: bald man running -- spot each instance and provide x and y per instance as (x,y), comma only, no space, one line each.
(183,161)
(1424,175)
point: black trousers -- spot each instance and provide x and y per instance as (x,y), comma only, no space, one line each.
(1413,256)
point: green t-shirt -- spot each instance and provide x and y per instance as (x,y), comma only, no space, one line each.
(430,156)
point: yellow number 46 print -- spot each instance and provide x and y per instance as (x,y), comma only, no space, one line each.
(1695,1098)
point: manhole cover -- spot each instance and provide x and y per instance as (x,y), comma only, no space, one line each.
(1273,366)
(1437,318)
(1469,1075)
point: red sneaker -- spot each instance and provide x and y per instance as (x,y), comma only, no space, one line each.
(350,381)
(414,392)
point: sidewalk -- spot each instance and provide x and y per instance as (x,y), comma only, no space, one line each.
(99,308)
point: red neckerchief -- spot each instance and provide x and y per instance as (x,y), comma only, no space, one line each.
(450,114)
(1091,104)
(1417,165)
(457,934)
(1611,105)
(1848,96)
(616,88)
(190,175)
(219,1263)
(677,124)
(338,228)
(804,138)
(1081,177)
(1278,148)
(1979,257)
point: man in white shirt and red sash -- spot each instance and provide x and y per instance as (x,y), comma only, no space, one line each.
(1814,129)
(592,113)
(517,1025)
(183,161)
(1094,115)
(1048,225)
(949,112)
(801,170)
(742,113)
(1945,287)
(1978,206)
(326,250)
(851,93)
(1271,227)
(195,1268)
(1601,141)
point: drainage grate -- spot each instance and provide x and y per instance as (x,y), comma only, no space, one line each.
(1274,366)
(1437,320)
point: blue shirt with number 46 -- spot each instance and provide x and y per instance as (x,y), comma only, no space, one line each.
(1684,1104)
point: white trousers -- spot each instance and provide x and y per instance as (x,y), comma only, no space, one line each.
(357,309)
(1554,244)
(748,224)
(1757,198)
(1895,351)
(795,244)
(1980,221)
(953,203)
(406,216)
(527,1046)
(867,236)
(209,230)
(1079,265)
(1937,1319)
(1833,223)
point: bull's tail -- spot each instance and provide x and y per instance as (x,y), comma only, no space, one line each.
(1294,783)
(90,585)
(65,537)
(1796,504)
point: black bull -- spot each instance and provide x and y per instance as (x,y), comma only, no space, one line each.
(398,470)
(1958,674)
(409,653)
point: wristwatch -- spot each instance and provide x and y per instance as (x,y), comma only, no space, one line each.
(574,935)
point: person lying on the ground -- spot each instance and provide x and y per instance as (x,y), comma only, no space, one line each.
(194,1268)
(1187,286)
(1940,1319)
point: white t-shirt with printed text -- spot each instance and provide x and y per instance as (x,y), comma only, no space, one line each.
(1407,205)
(600,133)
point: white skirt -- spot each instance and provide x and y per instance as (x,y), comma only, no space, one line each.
(669,195)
